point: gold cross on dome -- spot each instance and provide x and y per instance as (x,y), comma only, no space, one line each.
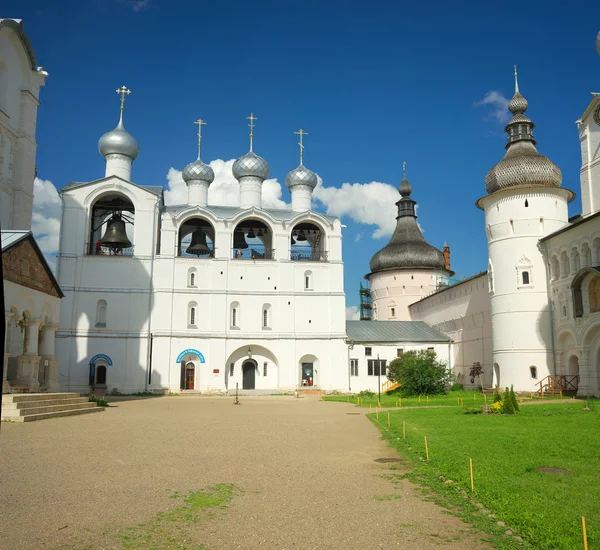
(123,91)
(200,123)
(301,133)
(251,118)
(404,168)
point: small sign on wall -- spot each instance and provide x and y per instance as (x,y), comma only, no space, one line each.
(215,371)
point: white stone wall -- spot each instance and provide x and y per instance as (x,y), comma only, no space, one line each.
(389,352)
(589,138)
(394,291)
(462,311)
(19,100)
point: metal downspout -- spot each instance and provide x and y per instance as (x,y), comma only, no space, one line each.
(150,302)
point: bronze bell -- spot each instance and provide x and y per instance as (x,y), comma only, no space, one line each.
(301,236)
(115,236)
(251,234)
(238,240)
(198,245)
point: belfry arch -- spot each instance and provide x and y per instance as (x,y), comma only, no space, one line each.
(112,222)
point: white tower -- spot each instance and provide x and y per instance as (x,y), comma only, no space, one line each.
(251,170)
(198,176)
(118,147)
(589,138)
(524,203)
(408,267)
(301,182)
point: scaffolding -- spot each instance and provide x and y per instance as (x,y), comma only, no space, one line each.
(366,303)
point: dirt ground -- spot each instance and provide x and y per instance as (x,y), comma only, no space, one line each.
(304,472)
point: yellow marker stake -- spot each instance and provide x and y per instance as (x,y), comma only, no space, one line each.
(585,545)
(426,449)
(404,429)
(471,471)
(427,397)
(561,394)
(473,397)
(530,395)
(419,398)
(388,419)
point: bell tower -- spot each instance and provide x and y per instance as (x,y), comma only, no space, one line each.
(589,138)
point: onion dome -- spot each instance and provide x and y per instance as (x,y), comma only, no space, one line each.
(407,248)
(301,176)
(251,165)
(119,142)
(198,171)
(522,166)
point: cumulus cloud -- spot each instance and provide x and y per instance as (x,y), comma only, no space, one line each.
(352,313)
(497,106)
(224,190)
(45,222)
(371,203)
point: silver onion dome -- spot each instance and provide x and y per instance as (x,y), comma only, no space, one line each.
(198,171)
(251,165)
(407,248)
(522,166)
(301,176)
(119,142)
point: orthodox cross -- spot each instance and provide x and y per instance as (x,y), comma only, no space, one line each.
(251,118)
(123,92)
(301,133)
(516,81)
(200,123)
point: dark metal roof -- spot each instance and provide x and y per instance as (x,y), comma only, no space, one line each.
(573,222)
(393,331)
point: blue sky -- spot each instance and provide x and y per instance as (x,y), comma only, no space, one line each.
(374,83)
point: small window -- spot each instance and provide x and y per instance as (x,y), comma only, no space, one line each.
(399,352)
(192,279)
(525,276)
(393,312)
(368,352)
(526,203)
(430,349)
(353,367)
(265,318)
(101,308)
(234,317)
(564,311)
(192,316)
(533,371)
(308,280)
(264,369)
(231,369)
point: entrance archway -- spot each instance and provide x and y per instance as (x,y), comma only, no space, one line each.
(309,371)
(573,369)
(249,375)
(190,375)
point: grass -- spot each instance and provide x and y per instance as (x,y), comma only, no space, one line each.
(450,399)
(545,510)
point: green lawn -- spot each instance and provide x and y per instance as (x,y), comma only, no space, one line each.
(448,400)
(545,510)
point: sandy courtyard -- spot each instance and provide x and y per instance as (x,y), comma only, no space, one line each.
(304,473)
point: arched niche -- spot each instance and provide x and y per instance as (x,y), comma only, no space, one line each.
(196,238)
(252,240)
(586,284)
(307,243)
(309,367)
(112,223)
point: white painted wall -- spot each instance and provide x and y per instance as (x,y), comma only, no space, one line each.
(589,138)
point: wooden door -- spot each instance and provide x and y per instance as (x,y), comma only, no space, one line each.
(249,379)
(189,377)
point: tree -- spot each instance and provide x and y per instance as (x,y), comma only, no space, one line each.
(420,372)
(510,404)
(476,371)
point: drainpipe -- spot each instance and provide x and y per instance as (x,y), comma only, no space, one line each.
(350,346)
(545,255)
(150,301)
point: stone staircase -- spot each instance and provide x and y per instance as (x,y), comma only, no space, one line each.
(25,407)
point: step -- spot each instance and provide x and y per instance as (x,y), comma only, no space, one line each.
(21,397)
(43,403)
(14,413)
(43,416)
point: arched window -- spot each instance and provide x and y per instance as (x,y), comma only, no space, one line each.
(196,239)
(235,315)
(308,280)
(307,243)
(533,371)
(192,314)
(112,223)
(554,268)
(525,276)
(101,309)
(192,277)
(266,316)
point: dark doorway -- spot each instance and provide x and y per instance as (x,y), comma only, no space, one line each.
(101,375)
(307,374)
(249,380)
(189,376)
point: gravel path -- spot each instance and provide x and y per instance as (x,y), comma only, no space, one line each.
(304,468)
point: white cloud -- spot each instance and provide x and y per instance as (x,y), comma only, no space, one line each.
(498,105)
(140,5)
(358,237)
(224,190)
(352,313)
(45,222)
(371,203)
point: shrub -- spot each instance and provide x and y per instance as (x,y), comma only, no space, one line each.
(497,396)
(457,386)
(473,409)
(509,402)
(420,372)
(366,393)
(496,407)
(101,402)
(513,398)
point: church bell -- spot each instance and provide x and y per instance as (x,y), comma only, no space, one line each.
(301,236)
(198,245)
(115,236)
(239,241)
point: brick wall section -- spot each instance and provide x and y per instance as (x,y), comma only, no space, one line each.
(23,266)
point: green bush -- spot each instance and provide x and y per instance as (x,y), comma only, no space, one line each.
(509,403)
(497,396)
(420,372)
(99,400)
(472,409)
(457,386)
(366,393)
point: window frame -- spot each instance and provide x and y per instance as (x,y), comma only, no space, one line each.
(375,366)
(368,351)
(353,367)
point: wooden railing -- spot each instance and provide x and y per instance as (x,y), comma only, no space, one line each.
(388,385)
(556,384)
